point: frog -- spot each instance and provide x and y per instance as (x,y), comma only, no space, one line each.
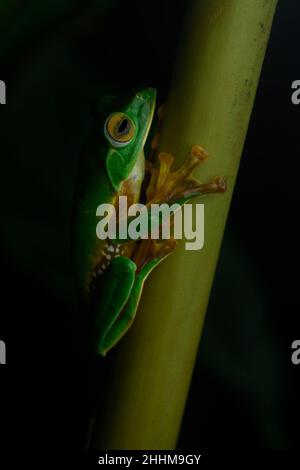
(111,273)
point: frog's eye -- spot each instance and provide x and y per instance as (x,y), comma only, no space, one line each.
(119,129)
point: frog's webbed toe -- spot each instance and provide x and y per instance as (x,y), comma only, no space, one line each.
(168,186)
(165,186)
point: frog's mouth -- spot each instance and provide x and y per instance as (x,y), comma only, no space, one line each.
(163,186)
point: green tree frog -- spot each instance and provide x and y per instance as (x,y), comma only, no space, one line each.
(112,274)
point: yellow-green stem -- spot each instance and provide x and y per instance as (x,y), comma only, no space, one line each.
(210,104)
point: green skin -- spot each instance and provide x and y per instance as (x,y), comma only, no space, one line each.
(106,167)
(110,281)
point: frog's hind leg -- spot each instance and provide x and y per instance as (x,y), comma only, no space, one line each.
(148,255)
(114,291)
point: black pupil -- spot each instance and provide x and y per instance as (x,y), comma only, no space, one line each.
(124,127)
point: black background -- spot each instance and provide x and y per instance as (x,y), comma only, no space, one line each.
(56,58)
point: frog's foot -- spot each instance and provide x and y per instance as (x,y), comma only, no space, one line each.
(166,186)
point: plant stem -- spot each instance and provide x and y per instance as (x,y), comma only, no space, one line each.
(210,104)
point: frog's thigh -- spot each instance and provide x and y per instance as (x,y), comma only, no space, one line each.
(115,289)
(124,321)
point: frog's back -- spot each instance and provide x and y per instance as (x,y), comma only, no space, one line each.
(93,189)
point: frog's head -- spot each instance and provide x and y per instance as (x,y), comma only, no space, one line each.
(126,131)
